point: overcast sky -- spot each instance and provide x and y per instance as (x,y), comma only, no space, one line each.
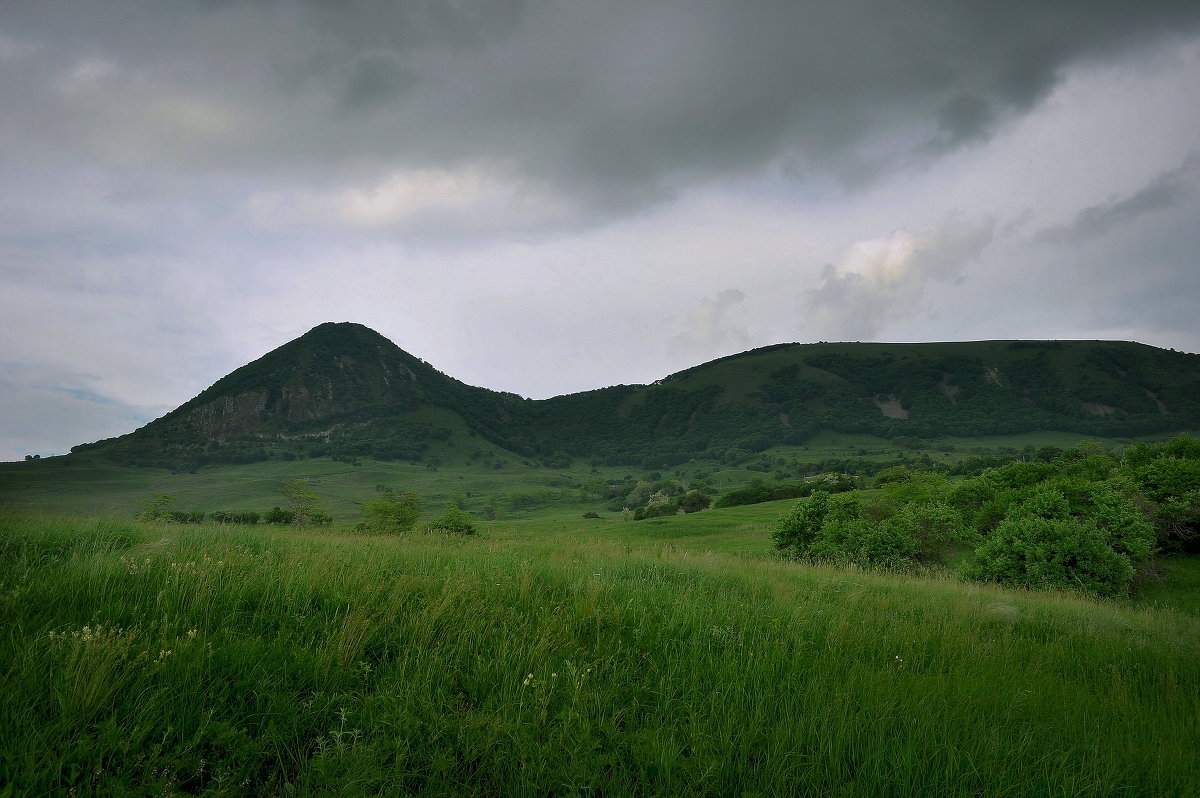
(557,195)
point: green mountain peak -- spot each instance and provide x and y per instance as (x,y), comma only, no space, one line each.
(343,389)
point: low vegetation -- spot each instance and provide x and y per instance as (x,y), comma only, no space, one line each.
(1086,519)
(1012,619)
(147,658)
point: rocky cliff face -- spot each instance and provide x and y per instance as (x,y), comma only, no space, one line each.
(229,415)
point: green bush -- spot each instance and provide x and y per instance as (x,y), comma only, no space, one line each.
(856,540)
(391,512)
(1041,544)
(935,528)
(798,533)
(694,501)
(655,511)
(453,521)
(279,516)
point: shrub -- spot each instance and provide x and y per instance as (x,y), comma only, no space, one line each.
(795,532)
(856,540)
(894,474)
(694,501)
(391,512)
(840,527)
(934,528)
(453,521)
(231,517)
(655,511)
(1041,544)
(278,516)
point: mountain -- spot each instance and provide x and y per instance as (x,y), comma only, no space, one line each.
(343,390)
(339,389)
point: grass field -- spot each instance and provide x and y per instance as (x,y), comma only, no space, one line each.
(88,484)
(563,657)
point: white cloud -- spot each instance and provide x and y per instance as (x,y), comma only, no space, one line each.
(430,203)
(880,281)
(713,328)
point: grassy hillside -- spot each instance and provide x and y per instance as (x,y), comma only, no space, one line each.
(472,471)
(572,660)
(344,391)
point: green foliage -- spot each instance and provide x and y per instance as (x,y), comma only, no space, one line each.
(1042,544)
(797,531)
(908,522)
(391,512)
(183,516)
(694,501)
(759,490)
(453,521)
(234,517)
(1088,520)
(279,516)
(659,510)
(154,508)
(305,503)
(854,539)
(894,474)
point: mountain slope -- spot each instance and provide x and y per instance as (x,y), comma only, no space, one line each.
(341,388)
(785,393)
(345,390)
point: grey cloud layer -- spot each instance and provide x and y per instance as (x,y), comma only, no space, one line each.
(605,103)
(554,195)
(1165,191)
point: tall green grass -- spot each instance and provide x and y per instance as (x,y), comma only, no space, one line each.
(141,659)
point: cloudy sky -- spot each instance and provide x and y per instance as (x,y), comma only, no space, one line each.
(546,196)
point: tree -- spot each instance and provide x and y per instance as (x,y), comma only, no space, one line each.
(392,512)
(694,501)
(305,503)
(155,508)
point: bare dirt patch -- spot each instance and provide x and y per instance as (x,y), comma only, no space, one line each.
(1162,408)
(949,391)
(891,407)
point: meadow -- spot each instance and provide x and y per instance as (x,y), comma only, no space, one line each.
(564,656)
(87,484)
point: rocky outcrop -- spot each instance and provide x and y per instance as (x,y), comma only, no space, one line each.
(227,416)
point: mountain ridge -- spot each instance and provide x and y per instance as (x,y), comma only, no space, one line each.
(344,390)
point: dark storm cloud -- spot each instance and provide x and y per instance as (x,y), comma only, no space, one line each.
(604,103)
(498,185)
